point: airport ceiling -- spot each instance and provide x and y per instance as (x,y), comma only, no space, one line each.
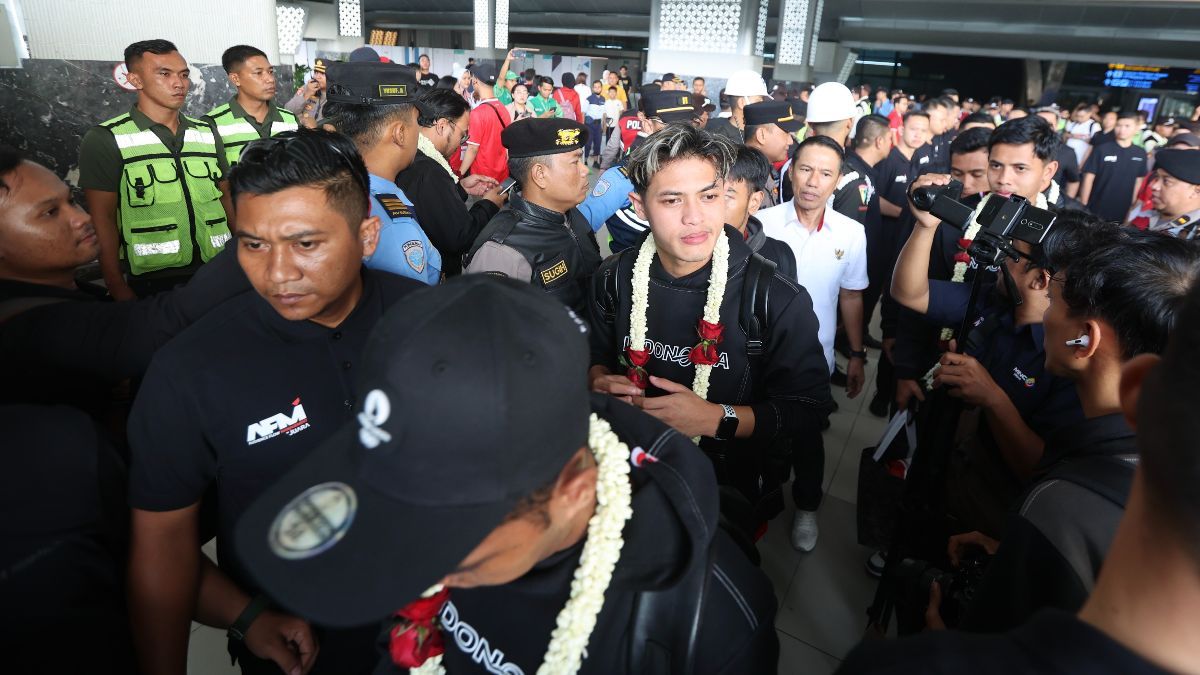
(1163,32)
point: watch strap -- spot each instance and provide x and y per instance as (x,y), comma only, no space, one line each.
(862,354)
(237,631)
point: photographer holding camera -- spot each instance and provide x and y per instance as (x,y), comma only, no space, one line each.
(1106,307)
(1141,617)
(1013,403)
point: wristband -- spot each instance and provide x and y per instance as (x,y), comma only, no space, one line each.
(241,625)
(859,355)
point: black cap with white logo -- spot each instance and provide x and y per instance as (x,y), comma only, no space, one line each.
(372,83)
(474,395)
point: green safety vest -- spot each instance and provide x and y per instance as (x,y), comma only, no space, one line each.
(169,204)
(236,132)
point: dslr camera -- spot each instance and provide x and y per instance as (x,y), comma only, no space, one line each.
(1001,220)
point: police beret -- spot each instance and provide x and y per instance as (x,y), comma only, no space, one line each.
(1180,163)
(373,83)
(669,106)
(543,136)
(773,112)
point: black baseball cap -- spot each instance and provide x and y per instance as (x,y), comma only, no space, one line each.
(543,136)
(1185,139)
(779,113)
(670,106)
(485,71)
(374,83)
(1180,163)
(473,395)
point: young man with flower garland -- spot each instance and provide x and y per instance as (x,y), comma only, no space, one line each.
(1014,401)
(565,532)
(756,380)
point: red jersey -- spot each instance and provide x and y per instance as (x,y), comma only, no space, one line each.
(488,119)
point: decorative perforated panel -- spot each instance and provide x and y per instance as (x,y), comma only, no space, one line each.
(794,17)
(483,34)
(350,18)
(816,32)
(760,33)
(501,24)
(699,25)
(289,22)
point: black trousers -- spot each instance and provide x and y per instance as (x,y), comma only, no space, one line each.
(808,463)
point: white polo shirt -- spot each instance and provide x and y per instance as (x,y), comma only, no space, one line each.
(831,258)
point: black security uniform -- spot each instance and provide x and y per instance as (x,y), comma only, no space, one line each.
(879,267)
(441,209)
(260,393)
(787,386)
(552,250)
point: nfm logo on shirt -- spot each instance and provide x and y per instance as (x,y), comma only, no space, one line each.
(277,424)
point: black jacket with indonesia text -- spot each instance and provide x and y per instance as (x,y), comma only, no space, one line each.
(790,384)
(673,556)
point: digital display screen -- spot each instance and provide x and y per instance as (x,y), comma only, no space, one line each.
(1128,76)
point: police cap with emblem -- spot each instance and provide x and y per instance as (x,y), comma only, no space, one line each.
(543,136)
(473,394)
(779,113)
(1180,163)
(319,66)
(669,106)
(374,83)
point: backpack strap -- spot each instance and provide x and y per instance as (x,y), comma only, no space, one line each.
(756,291)
(665,627)
(1108,476)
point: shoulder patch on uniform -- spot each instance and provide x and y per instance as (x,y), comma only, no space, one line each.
(601,187)
(555,271)
(414,254)
(393,206)
(624,171)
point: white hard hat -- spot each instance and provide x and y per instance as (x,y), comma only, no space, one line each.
(745,83)
(830,102)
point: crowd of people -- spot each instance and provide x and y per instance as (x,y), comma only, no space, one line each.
(494,373)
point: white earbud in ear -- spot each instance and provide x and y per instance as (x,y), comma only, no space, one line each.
(1081,341)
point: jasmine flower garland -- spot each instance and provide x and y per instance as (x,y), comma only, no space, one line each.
(601,551)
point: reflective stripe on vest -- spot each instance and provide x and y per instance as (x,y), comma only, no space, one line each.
(236,131)
(168,204)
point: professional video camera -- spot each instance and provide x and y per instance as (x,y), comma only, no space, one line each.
(958,585)
(1002,220)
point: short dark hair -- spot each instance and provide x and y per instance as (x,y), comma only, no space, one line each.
(362,122)
(1168,427)
(534,506)
(305,158)
(544,80)
(133,53)
(446,82)
(939,102)
(442,104)
(979,118)
(823,141)
(10,159)
(1132,115)
(611,88)
(236,55)
(971,140)
(752,129)
(914,113)
(1075,234)
(750,166)
(699,79)
(568,80)
(870,128)
(1031,129)
(623,67)
(1137,284)
(520,167)
(674,142)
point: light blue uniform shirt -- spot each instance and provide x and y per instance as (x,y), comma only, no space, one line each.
(403,247)
(610,195)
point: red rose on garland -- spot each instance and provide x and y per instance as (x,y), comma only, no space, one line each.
(416,636)
(636,360)
(705,353)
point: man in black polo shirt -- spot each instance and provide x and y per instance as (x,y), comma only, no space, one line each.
(872,142)
(248,391)
(1111,173)
(1138,618)
(760,397)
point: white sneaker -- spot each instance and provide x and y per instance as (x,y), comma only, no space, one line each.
(804,531)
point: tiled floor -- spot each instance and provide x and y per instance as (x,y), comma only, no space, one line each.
(823,595)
